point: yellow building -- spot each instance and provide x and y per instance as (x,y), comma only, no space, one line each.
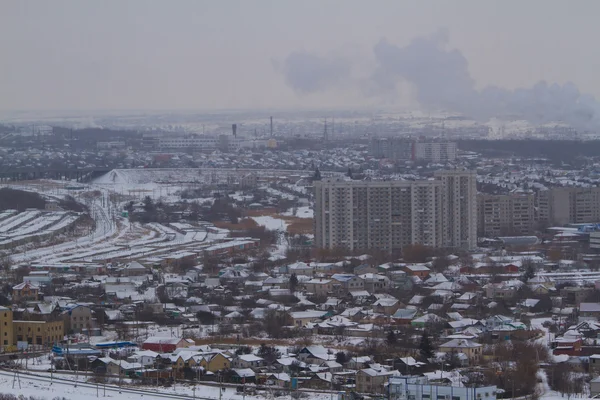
(44,333)
(6,327)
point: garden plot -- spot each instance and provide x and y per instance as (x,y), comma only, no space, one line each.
(33,225)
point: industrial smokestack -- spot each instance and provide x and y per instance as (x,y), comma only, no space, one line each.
(271,126)
(234,129)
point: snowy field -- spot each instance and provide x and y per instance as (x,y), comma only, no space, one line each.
(301,212)
(271,223)
(42,385)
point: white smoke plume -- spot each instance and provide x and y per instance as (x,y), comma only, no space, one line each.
(441,80)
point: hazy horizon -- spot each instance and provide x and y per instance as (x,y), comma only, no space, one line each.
(342,54)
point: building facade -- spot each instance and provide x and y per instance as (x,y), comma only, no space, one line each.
(417,388)
(386,215)
(437,152)
(506,214)
(404,149)
(459,213)
(564,205)
(41,333)
(6,327)
(389,215)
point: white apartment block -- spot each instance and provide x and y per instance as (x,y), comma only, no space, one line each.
(389,215)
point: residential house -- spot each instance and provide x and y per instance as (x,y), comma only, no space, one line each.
(78,318)
(247,361)
(320,380)
(280,379)
(575,295)
(595,387)
(471,349)
(503,290)
(374,283)
(348,283)
(25,291)
(315,354)
(302,318)
(595,363)
(370,380)
(387,306)
(319,286)
(145,357)
(419,270)
(589,311)
(404,316)
(134,268)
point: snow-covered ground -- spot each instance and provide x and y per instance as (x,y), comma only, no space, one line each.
(271,223)
(301,212)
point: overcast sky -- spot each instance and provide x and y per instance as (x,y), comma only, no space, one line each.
(145,54)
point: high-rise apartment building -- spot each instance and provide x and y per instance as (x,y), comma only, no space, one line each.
(389,215)
(459,199)
(505,214)
(401,149)
(393,148)
(385,215)
(435,151)
(564,205)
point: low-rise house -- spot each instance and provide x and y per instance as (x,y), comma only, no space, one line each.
(78,318)
(348,282)
(569,345)
(595,363)
(280,379)
(247,361)
(387,306)
(319,286)
(375,283)
(589,311)
(25,291)
(595,387)
(404,316)
(471,349)
(145,357)
(302,318)
(503,290)
(575,295)
(370,380)
(315,354)
(419,270)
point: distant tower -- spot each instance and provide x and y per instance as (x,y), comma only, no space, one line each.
(271,126)
(234,129)
(332,126)
(325,136)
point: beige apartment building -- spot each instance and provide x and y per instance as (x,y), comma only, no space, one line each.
(506,214)
(564,205)
(385,215)
(389,215)
(459,200)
